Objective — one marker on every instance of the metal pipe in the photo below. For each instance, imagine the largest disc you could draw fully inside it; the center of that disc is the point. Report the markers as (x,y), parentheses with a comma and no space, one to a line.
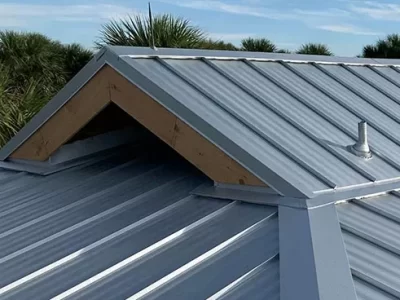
(361,148)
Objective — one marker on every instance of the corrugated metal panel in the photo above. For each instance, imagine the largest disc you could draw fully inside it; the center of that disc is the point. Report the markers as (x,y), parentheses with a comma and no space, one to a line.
(122,226)
(286,122)
(371,231)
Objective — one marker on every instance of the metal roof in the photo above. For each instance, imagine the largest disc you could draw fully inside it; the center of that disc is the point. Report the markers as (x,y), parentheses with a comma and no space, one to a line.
(128,225)
(371,231)
(286,118)
(125,226)
(297,119)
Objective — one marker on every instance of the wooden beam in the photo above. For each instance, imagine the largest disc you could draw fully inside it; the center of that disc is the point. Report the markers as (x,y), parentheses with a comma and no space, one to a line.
(67,121)
(180,136)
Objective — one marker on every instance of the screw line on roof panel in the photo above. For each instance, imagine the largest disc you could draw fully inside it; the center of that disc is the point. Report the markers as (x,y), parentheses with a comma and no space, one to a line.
(157,246)
(374,282)
(247,124)
(316,173)
(371,83)
(342,103)
(342,158)
(357,93)
(380,73)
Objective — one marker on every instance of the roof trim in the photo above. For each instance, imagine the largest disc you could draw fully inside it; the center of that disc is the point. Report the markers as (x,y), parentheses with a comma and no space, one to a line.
(313,259)
(144,52)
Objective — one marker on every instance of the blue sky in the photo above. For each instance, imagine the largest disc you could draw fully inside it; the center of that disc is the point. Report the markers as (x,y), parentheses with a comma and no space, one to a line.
(344,25)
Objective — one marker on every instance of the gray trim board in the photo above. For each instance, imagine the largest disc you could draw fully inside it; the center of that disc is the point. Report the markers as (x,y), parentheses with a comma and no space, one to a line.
(313,259)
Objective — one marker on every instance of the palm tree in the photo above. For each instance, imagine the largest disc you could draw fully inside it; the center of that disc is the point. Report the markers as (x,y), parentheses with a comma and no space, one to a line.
(217,45)
(387,48)
(283,51)
(32,55)
(258,45)
(18,104)
(32,69)
(315,49)
(74,58)
(169,32)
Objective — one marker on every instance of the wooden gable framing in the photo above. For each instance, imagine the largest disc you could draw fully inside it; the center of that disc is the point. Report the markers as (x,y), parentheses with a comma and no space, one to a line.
(108,86)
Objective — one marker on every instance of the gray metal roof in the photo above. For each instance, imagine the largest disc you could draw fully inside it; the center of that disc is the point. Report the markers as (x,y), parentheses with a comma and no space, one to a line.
(128,225)
(123,225)
(371,231)
(286,118)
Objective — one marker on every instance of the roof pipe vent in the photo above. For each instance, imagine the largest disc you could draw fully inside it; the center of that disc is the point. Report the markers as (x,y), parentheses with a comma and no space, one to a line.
(361,148)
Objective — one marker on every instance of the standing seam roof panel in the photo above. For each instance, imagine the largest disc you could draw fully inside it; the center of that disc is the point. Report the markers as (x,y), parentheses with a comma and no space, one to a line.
(329,107)
(267,121)
(356,103)
(371,232)
(316,124)
(389,72)
(225,123)
(380,81)
(366,91)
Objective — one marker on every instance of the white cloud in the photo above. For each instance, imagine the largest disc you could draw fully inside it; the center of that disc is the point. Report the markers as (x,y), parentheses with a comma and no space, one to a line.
(347,29)
(257,10)
(13,14)
(378,11)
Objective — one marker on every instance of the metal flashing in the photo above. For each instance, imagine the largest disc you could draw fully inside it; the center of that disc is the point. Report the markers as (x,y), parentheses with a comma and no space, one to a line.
(164,53)
(313,260)
(265,197)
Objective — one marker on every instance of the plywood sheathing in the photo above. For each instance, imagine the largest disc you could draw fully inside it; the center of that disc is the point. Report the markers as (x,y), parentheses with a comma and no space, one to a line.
(67,121)
(109,86)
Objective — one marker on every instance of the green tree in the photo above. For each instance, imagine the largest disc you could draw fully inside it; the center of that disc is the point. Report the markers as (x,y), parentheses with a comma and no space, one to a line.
(258,45)
(18,104)
(384,48)
(74,57)
(283,51)
(30,55)
(217,45)
(315,49)
(32,69)
(169,32)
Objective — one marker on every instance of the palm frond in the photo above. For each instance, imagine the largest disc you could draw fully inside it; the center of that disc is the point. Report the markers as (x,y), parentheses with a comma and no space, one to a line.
(315,49)
(169,32)
(258,45)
